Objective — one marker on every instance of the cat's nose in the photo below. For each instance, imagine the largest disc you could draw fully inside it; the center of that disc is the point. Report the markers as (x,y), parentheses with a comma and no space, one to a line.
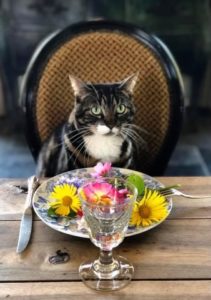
(110,126)
(113,128)
(109,121)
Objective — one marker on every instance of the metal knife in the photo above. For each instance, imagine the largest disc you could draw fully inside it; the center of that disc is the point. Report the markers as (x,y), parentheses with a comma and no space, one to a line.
(26,220)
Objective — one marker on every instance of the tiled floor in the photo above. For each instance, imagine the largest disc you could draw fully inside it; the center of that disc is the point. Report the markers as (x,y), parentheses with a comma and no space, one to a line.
(191,157)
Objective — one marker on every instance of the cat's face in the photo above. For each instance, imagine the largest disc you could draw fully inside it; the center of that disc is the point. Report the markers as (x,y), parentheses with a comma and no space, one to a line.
(104,108)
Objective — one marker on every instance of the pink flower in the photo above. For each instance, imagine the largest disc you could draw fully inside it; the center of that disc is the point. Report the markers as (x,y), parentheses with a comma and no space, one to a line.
(104,193)
(102,169)
(99,192)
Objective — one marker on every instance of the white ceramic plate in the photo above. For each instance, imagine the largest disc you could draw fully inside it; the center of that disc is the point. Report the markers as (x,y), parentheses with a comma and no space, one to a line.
(76,226)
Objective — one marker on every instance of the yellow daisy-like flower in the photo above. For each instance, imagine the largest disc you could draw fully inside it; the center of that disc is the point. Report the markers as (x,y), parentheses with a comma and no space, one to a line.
(67,199)
(151,208)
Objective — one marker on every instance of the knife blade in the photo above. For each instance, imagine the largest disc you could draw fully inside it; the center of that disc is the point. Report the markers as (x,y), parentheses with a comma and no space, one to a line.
(26,220)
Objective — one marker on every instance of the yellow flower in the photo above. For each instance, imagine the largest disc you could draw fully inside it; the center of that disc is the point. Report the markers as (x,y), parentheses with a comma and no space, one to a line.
(151,208)
(66,198)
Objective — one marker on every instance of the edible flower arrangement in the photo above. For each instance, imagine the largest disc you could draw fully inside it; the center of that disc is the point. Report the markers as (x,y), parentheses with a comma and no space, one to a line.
(150,206)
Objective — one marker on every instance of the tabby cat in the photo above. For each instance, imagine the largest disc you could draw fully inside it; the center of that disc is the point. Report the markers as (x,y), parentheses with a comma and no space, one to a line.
(99,128)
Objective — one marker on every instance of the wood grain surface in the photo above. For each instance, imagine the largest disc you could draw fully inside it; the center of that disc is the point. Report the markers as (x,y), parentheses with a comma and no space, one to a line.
(172,261)
(142,290)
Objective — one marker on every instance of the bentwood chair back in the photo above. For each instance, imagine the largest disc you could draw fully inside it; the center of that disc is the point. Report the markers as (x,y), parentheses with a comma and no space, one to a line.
(104,51)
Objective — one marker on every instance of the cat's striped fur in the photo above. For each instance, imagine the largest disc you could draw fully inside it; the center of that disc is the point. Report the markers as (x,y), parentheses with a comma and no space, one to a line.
(99,129)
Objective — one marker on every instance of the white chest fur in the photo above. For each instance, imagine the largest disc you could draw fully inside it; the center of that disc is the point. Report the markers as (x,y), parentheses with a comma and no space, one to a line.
(104,147)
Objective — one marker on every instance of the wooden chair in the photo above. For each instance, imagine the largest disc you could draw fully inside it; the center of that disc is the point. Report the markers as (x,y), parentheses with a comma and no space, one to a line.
(105,51)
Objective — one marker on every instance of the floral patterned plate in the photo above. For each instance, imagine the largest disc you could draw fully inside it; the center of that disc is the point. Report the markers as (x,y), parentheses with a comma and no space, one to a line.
(76,226)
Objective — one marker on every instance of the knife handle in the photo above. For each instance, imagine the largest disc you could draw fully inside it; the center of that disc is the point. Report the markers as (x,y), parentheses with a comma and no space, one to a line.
(33,183)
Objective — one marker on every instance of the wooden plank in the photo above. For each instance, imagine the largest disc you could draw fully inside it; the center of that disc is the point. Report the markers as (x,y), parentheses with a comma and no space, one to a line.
(185,208)
(11,197)
(144,290)
(177,249)
(190,208)
(195,182)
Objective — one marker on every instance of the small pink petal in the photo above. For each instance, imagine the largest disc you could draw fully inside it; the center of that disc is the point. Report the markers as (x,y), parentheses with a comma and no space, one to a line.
(101,169)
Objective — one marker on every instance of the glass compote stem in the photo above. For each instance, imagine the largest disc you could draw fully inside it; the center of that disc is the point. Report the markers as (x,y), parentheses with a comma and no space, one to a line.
(107,224)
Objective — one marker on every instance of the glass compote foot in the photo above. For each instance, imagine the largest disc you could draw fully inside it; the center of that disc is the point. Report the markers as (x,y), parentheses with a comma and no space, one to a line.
(107,204)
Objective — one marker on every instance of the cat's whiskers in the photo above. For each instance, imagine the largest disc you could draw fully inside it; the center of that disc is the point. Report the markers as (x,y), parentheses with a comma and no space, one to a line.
(78,135)
(139,138)
(130,133)
(67,135)
(137,127)
(88,157)
(75,152)
(127,135)
(78,149)
(79,131)
(133,135)
(151,134)
(75,140)
(131,130)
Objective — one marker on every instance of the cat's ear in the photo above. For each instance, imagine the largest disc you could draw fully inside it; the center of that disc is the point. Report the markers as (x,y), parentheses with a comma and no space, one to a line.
(79,87)
(129,83)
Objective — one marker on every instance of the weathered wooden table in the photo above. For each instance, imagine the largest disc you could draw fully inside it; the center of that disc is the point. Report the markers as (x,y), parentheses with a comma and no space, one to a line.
(172,261)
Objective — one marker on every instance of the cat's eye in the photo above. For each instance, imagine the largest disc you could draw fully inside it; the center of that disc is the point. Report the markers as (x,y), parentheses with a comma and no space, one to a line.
(96,110)
(121,109)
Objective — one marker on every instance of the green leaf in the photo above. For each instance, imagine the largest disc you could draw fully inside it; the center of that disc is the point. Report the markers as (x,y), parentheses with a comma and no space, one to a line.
(72,214)
(137,181)
(51,212)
